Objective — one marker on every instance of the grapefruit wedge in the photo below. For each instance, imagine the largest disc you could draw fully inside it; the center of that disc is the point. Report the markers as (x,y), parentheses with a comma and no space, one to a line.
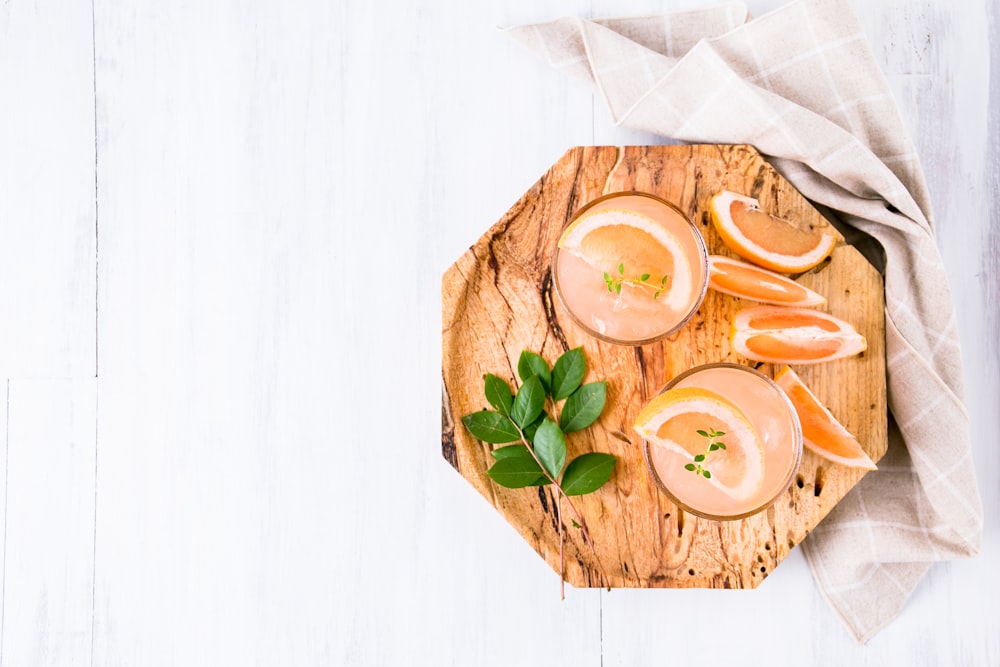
(768,241)
(747,281)
(821,432)
(785,335)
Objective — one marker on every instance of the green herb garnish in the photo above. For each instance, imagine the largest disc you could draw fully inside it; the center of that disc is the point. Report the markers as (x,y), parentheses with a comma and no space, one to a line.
(614,283)
(539,456)
(713,444)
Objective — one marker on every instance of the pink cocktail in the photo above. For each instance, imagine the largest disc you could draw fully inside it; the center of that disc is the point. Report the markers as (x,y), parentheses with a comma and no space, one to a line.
(769,415)
(630,268)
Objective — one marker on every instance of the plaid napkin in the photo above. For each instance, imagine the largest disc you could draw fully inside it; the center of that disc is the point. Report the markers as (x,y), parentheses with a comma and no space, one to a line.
(801,85)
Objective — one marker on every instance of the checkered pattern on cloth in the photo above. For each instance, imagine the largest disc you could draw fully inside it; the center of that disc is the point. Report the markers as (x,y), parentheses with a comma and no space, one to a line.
(801,85)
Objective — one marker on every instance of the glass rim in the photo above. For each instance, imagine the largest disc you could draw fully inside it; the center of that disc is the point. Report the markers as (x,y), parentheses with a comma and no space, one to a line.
(792,469)
(702,251)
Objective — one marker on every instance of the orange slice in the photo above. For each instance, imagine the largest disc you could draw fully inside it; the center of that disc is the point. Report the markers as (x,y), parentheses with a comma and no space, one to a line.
(673,419)
(731,276)
(765,240)
(821,432)
(621,242)
(783,335)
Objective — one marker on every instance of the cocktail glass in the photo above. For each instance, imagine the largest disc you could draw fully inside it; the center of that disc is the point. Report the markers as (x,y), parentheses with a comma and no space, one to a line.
(612,300)
(772,417)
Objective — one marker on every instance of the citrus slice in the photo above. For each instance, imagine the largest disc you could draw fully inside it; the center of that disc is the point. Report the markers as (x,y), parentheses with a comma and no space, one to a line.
(635,250)
(673,419)
(821,432)
(731,276)
(784,335)
(765,240)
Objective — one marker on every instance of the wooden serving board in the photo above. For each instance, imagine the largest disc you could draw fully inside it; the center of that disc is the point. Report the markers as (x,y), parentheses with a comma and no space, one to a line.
(498,300)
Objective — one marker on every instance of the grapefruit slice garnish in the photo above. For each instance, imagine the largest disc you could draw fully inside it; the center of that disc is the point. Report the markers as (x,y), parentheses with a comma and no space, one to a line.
(821,432)
(633,252)
(784,335)
(674,419)
(766,240)
(747,281)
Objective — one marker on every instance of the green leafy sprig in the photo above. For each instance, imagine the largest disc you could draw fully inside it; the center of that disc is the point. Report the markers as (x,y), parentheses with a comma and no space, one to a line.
(713,444)
(539,456)
(614,283)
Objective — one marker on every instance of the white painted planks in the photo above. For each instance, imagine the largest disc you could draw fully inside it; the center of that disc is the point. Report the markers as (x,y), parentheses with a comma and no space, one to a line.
(48,331)
(47,223)
(48,560)
(268,313)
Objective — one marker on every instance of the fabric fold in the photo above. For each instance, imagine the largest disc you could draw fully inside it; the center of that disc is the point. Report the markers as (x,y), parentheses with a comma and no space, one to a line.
(802,86)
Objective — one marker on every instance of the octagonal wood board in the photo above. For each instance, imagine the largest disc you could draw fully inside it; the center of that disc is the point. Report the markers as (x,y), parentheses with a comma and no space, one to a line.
(498,300)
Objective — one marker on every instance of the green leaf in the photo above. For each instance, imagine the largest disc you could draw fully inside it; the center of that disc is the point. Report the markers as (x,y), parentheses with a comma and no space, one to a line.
(567,373)
(509,451)
(498,394)
(515,472)
(491,427)
(530,429)
(583,407)
(529,402)
(689,466)
(699,458)
(520,451)
(587,473)
(550,447)
(533,364)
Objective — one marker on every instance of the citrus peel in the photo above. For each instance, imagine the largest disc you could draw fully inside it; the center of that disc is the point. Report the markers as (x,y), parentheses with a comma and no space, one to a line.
(766,240)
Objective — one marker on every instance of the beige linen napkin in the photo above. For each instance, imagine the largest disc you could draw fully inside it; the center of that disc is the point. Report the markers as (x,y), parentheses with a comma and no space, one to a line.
(801,85)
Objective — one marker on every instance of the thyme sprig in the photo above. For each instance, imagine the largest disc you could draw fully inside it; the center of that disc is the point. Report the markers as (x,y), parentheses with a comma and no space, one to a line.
(713,444)
(615,282)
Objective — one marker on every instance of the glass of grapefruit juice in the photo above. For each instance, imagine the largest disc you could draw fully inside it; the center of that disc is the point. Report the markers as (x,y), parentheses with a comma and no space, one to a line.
(630,268)
(721,403)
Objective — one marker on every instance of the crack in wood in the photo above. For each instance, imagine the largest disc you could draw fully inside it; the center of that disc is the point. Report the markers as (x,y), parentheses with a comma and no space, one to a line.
(550,311)
(448,449)
(640,359)
(758,182)
(574,186)
(619,156)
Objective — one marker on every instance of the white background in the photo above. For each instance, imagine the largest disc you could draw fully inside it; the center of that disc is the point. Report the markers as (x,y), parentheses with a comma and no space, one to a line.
(222,230)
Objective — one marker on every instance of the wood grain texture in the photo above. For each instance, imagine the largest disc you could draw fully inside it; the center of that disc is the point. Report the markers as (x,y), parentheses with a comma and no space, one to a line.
(497,300)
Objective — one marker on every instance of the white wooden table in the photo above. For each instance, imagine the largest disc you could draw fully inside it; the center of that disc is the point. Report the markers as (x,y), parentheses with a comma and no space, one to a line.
(222,229)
